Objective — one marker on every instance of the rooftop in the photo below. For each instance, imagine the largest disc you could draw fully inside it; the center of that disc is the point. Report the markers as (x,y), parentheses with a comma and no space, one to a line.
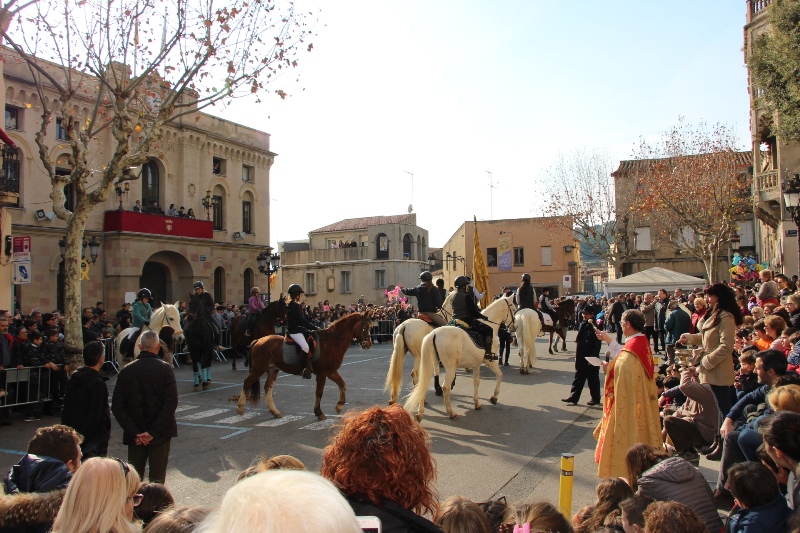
(350,224)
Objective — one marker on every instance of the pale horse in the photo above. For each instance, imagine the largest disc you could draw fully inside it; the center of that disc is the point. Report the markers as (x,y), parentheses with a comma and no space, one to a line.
(527,325)
(166,315)
(407,337)
(454,348)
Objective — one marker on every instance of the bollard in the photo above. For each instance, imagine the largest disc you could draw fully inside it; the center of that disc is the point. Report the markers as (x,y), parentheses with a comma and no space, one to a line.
(565,486)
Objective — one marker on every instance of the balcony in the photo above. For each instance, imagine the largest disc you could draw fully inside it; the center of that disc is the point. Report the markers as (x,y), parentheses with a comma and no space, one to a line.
(131,222)
(756,8)
(768,186)
(9,177)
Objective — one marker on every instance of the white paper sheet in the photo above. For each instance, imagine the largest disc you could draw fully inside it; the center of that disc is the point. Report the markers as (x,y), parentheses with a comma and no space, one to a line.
(594,361)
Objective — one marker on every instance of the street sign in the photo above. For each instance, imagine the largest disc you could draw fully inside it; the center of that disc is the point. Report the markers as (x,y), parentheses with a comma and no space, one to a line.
(791,233)
(202,257)
(22,272)
(567,281)
(22,248)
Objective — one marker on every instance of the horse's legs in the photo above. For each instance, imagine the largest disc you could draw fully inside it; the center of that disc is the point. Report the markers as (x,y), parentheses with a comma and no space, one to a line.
(336,378)
(449,376)
(476,380)
(564,339)
(272,375)
(499,373)
(246,386)
(415,370)
(321,379)
(196,372)
(550,344)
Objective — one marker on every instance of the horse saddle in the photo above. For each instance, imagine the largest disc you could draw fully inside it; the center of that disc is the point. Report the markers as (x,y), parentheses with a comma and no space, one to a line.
(128,344)
(476,338)
(428,320)
(547,320)
(291,351)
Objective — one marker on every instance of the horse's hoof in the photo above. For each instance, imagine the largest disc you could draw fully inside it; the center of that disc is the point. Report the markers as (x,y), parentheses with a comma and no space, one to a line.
(339,407)
(493,400)
(453,416)
(478,407)
(419,418)
(321,417)
(277,414)
(240,411)
(522,371)
(391,402)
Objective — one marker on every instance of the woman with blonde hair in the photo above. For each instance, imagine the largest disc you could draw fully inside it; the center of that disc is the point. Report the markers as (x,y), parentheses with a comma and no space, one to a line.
(100,499)
(460,515)
(785,398)
(774,326)
(700,309)
(539,516)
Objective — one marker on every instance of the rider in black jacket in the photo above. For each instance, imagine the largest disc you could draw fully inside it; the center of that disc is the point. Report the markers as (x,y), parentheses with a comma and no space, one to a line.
(429,299)
(298,326)
(466,310)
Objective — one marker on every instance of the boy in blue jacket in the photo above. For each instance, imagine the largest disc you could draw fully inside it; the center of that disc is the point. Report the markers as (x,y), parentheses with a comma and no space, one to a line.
(761,507)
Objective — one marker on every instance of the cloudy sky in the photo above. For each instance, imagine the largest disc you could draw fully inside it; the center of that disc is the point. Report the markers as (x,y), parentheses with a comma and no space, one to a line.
(450,89)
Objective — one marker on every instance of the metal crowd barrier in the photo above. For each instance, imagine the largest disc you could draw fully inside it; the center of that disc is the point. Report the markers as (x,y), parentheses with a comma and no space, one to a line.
(24,387)
(383,329)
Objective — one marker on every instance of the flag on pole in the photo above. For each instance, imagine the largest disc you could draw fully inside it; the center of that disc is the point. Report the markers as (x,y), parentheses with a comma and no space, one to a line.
(479,272)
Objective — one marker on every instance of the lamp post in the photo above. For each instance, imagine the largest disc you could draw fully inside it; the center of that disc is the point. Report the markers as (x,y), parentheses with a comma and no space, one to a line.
(122,189)
(455,257)
(268,264)
(791,199)
(208,204)
(94,249)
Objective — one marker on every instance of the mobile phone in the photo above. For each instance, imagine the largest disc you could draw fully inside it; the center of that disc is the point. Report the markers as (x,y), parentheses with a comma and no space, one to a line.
(369,524)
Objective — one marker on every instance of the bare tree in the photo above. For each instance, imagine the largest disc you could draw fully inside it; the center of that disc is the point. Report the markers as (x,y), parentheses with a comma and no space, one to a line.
(582,197)
(695,184)
(138,66)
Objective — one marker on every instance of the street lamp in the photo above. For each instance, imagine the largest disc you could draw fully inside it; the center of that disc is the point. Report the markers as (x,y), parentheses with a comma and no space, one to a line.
(94,249)
(208,203)
(455,257)
(791,199)
(268,265)
(431,261)
(122,189)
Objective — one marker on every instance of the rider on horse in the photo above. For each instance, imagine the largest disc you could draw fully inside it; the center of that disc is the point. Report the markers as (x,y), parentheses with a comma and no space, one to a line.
(466,310)
(429,300)
(141,310)
(297,327)
(205,299)
(254,306)
(546,306)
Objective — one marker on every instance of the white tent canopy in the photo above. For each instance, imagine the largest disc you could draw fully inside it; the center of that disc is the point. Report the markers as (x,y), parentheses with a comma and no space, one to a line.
(653,279)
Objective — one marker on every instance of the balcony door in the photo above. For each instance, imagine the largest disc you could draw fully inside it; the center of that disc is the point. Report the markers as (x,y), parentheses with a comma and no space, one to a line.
(150,183)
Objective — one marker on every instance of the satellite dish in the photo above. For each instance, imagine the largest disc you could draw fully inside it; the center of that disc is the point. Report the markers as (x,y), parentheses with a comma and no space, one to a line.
(410,208)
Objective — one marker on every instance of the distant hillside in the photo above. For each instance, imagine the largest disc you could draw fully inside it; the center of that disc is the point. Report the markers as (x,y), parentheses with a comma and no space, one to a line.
(588,257)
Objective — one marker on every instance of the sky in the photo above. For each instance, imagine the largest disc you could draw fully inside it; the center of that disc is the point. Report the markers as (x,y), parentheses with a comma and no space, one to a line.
(450,90)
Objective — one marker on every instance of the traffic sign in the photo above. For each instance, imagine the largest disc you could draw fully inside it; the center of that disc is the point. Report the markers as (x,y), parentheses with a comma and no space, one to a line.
(22,248)
(22,272)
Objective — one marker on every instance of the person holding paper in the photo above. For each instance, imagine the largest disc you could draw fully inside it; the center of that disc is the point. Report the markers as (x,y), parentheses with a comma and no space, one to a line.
(588,346)
(630,410)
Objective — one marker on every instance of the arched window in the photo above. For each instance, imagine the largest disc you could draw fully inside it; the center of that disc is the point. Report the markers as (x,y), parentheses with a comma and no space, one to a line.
(408,246)
(219,285)
(381,246)
(150,183)
(247,212)
(219,208)
(248,283)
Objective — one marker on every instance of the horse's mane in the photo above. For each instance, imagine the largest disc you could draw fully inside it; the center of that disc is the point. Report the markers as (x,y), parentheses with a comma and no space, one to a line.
(345,317)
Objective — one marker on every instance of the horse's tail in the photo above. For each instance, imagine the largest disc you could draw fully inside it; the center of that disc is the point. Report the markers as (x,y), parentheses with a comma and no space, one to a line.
(429,358)
(255,392)
(530,333)
(395,375)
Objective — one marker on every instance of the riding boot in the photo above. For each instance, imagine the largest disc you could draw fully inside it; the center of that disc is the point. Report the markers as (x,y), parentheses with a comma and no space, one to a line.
(489,356)
(306,364)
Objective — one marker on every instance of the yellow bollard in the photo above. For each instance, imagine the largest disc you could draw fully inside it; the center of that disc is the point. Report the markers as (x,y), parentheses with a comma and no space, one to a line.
(565,486)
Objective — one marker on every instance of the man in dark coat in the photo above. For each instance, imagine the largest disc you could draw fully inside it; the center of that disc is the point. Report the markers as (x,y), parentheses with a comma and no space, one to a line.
(144,403)
(661,317)
(588,346)
(429,299)
(54,454)
(616,315)
(86,403)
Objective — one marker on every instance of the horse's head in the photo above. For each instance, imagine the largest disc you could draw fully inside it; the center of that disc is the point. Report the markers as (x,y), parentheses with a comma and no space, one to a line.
(172,318)
(361,330)
(502,310)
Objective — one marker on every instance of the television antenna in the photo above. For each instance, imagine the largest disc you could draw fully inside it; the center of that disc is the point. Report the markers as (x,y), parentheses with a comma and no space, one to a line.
(411,205)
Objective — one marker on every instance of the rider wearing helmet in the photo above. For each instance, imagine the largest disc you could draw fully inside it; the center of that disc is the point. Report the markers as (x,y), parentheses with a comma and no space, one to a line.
(205,299)
(526,296)
(466,310)
(254,306)
(429,299)
(546,306)
(297,327)
(142,309)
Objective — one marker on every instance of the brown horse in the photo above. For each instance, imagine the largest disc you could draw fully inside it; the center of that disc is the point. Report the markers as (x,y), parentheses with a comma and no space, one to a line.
(265,325)
(566,313)
(266,355)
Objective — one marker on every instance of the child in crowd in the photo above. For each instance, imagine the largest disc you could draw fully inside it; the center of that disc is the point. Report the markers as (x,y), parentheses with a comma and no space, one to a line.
(755,492)
(460,515)
(633,513)
(745,379)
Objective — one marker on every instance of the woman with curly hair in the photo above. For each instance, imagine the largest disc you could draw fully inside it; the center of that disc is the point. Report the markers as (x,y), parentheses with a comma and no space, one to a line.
(381,461)
(610,493)
(671,517)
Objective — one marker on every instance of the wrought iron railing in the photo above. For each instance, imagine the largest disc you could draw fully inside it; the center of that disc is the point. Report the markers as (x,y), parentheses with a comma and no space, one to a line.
(9,177)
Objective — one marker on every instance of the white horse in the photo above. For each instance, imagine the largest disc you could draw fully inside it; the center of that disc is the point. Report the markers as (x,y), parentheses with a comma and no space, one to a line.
(455,349)
(407,337)
(166,315)
(528,325)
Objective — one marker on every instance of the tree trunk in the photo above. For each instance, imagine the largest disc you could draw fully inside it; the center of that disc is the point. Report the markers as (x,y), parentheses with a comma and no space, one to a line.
(73,331)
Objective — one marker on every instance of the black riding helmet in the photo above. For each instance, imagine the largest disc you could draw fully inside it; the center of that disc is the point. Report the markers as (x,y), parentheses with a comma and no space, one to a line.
(526,277)
(461,282)
(198,285)
(294,288)
(144,293)
(426,276)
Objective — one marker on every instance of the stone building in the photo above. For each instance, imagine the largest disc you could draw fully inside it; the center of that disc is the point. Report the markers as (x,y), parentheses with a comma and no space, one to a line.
(775,162)
(201,159)
(513,247)
(389,250)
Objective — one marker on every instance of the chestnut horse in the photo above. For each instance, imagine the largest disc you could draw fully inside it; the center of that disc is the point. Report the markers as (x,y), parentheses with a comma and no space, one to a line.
(566,313)
(266,355)
(265,325)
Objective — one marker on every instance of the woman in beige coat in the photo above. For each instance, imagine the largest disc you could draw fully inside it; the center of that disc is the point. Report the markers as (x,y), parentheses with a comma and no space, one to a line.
(717,336)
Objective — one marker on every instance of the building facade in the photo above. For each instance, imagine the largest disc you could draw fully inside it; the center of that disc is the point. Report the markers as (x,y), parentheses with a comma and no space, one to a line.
(775,161)
(389,250)
(512,248)
(201,158)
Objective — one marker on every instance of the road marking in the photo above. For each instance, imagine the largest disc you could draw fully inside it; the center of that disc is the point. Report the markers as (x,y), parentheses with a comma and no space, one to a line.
(203,414)
(238,431)
(237,418)
(13,452)
(185,407)
(279,421)
(322,424)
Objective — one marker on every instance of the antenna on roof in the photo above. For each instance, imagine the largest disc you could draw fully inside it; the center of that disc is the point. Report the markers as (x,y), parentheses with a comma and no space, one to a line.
(410,209)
